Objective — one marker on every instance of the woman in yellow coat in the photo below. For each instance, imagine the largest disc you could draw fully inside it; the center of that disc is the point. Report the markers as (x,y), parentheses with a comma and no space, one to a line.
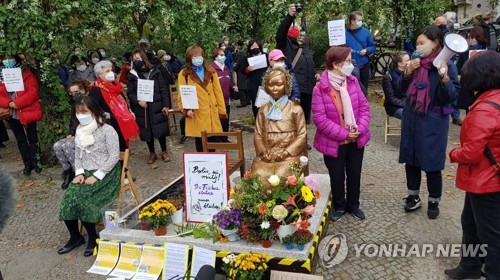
(209,93)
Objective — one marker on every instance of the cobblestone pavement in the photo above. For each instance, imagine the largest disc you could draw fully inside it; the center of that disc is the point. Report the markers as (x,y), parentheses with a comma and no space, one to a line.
(28,244)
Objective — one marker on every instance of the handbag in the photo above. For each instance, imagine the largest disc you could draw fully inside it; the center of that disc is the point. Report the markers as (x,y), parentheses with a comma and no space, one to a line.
(5,113)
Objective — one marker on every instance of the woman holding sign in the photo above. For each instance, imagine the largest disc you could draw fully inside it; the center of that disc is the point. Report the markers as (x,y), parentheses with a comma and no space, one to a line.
(255,68)
(19,93)
(204,82)
(150,100)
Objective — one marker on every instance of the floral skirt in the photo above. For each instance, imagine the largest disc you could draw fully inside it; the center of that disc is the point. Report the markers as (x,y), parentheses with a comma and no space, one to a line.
(86,202)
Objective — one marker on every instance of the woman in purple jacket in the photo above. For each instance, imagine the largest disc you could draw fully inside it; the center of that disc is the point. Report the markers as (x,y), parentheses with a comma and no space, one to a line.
(224,74)
(342,117)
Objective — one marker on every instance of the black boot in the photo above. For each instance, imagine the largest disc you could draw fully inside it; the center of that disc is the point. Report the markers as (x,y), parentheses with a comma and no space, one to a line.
(68,176)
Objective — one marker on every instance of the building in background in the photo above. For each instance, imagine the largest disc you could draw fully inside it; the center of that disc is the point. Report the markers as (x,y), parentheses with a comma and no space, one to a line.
(466,9)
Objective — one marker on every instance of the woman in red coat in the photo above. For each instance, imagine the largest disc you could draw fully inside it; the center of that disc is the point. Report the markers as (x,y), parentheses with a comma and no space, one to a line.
(476,174)
(26,111)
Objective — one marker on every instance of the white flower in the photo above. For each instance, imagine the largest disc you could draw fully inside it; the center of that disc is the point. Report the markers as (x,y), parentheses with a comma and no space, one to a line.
(274,180)
(225,260)
(265,225)
(303,160)
(229,203)
(279,212)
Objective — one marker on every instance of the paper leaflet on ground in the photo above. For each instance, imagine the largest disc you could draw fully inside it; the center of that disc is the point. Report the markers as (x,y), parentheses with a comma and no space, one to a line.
(130,257)
(107,258)
(201,257)
(175,261)
(151,263)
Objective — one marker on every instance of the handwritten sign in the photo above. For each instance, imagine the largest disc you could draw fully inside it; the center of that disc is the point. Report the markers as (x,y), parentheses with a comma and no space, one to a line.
(128,263)
(262,98)
(336,32)
(176,259)
(189,97)
(257,62)
(145,90)
(13,79)
(107,257)
(205,184)
(151,263)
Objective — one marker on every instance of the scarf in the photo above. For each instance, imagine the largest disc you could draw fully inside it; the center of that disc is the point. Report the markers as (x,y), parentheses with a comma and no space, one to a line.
(112,94)
(84,135)
(339,83)
(418,91)
(275,113)
(221,65)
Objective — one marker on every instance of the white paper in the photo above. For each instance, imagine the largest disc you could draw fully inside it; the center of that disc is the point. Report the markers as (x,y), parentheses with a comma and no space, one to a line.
(258,62)
(13,79)
(176,261)
(145,90)
(130,258)
(206,185)
(201,257)
(107,257)
(151,263)
(189,97)
(262,98)
(336,32)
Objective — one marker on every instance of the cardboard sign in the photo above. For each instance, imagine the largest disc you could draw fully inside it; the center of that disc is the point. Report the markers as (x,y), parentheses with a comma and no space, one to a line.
(336,32)
(176,258)
(205,185)
(130,258)
(262,98)
(145,90)
(151,263)
(13,79)
(257,62)
(189,97)
(201,257)
(107,257)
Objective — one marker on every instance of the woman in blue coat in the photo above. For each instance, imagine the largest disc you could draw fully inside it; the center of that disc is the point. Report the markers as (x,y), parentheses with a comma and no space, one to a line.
(425,123)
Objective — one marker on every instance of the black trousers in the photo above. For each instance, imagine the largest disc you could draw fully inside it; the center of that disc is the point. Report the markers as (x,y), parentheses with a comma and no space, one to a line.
(481,225)
(161,140)
(27,141)
(4,136)
(244,100)
(199,144)
(225,123)
(434,182)
(364,76)
(305,103)
(182,124)
(348,162)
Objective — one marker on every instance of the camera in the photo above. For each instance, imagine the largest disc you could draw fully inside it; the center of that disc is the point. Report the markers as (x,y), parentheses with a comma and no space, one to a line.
(298,8)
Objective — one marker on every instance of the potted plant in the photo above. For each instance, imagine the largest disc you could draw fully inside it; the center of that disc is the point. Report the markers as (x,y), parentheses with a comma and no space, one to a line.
(178,202)
(228,221)
(288,241)
(302,237)
(251,266)
(159,214)
(266,234)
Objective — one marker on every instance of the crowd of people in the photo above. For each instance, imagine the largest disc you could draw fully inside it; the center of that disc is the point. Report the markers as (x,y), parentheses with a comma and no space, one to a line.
(109,111)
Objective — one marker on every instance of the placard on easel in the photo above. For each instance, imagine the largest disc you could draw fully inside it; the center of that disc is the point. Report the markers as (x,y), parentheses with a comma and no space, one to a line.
(205,185)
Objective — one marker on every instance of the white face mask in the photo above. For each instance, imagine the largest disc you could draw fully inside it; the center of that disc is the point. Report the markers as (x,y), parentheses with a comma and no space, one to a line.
(167,58)
(81,68)
(424,50)
(85,119)
(347,69)
(95,60)
(110,76)
(279,64)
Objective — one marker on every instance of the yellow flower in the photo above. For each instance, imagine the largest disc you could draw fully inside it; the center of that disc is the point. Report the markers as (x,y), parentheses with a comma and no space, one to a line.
(307,194)
(231,192)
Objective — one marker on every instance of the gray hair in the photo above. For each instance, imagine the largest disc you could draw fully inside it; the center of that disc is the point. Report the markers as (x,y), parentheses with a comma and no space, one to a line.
(101,65)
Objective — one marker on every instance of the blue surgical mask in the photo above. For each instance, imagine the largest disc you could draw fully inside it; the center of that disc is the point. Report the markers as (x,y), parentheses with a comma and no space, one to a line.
(359,24)
(221,58)
(198,61)
(9,63)
(103,54)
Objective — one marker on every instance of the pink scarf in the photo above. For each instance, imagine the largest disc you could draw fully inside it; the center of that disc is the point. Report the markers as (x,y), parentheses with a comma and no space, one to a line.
(339,83)
(418,91)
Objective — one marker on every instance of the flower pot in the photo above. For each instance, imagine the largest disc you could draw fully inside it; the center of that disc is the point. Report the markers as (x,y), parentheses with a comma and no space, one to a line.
(178,216)
(300,247)
(266,243)
(231,234)
(145,225)
(285,230)
(289,246)
(161,230)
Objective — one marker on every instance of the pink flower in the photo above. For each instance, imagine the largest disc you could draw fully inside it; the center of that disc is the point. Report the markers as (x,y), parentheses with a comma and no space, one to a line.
(301,224)
(290,201)
(309,210)
(291,180)
(312,183)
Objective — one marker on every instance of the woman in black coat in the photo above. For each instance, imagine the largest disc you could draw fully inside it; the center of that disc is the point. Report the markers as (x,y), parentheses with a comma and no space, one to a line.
(152,117)
(254,75)
(395,99)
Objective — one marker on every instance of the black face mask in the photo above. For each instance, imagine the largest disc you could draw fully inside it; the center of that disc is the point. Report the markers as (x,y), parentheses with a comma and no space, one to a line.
(75,97)
(255,51)
(138,64)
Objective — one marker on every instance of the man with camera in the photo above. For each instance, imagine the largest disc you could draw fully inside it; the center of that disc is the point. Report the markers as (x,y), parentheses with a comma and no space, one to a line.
(299,56)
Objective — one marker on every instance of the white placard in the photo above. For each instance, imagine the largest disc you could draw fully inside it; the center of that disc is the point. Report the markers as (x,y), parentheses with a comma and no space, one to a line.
(145,90)
(257,62)
(336,32)
(262,98)
(206,185)
(176,259)
(201,257)
(13,79)
(189,97)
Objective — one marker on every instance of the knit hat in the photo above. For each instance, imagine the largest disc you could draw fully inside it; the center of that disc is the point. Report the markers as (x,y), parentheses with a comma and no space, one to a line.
(161,53)
(144,41)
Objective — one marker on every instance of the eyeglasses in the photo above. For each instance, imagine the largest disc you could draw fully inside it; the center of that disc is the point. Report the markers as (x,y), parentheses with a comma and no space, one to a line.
(74,92)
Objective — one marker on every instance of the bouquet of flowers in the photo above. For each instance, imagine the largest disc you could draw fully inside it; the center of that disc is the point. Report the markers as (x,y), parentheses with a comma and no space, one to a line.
(158,213)
(227,219)
(245,266)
